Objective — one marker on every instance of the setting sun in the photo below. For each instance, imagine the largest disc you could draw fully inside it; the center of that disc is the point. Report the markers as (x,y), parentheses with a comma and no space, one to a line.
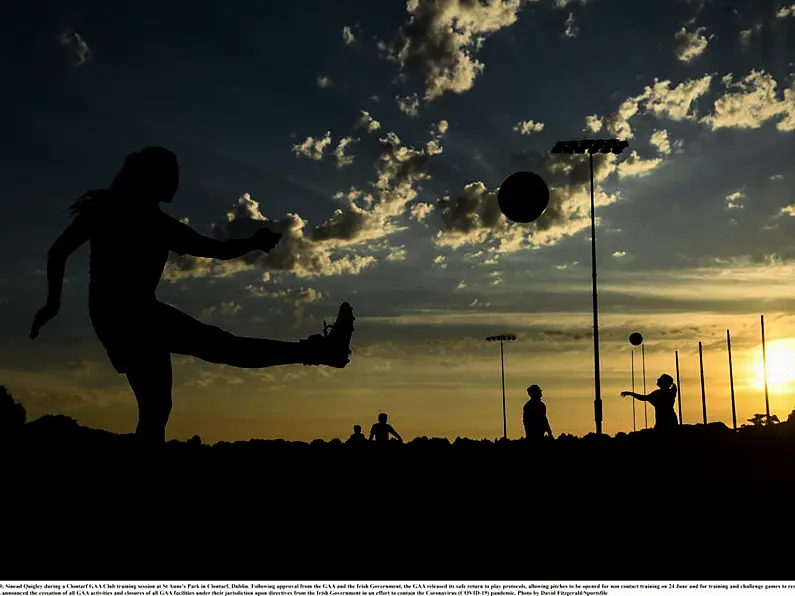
(780,364)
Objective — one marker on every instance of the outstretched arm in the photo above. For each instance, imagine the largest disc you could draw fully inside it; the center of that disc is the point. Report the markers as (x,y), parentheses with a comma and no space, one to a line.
(639,396)
(186,241)
(73,237)
(395,433)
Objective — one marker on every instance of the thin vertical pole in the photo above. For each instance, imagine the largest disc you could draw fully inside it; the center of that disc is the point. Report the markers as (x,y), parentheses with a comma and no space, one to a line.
(679,387)
(504,417)
(764,364)
(731,378)
(597,402)
(703,392)
(645,404)
(633,391)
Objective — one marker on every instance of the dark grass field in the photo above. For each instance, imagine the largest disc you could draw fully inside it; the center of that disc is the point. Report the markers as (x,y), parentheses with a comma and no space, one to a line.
(702,503)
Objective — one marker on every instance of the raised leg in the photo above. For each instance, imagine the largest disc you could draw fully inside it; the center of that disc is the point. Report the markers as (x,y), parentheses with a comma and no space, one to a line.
(190,337)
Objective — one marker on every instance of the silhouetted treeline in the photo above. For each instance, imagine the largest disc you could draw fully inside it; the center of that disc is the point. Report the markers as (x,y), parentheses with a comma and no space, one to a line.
(701,502)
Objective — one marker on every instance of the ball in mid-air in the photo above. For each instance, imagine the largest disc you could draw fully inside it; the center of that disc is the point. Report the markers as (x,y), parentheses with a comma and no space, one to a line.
(523,197)
(635,338)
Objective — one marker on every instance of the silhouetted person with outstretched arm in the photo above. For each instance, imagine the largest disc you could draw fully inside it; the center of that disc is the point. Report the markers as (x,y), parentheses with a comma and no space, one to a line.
(130,242)
(534,416)
(381,430)
(357,438)
(663,400)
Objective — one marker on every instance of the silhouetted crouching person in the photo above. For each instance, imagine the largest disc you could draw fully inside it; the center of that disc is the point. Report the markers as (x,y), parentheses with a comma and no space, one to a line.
(130,242)
(381,430)
(663,400)
(534,416)
(357,438)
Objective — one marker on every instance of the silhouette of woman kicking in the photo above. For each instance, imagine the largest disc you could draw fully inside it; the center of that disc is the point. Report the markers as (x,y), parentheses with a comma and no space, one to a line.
(130,241)
(662,399)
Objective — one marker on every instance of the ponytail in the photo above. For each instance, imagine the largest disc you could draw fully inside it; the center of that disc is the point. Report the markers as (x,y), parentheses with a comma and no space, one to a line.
(86,200)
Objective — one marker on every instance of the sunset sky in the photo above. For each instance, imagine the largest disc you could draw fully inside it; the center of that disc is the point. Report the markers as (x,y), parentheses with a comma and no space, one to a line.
(375,135)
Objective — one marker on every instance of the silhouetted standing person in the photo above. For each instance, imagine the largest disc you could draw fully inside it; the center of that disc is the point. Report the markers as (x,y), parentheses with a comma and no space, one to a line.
(130,242)
(534,416)
(357,438)
(663,400)
(381,430)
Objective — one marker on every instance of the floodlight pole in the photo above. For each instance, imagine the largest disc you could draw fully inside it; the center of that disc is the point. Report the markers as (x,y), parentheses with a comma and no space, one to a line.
(502,339)
(645,403)
(633,391)
(703,391)
(764,369)
(679,388)
(597,384)
(592,146)
(504,416)
(731,378)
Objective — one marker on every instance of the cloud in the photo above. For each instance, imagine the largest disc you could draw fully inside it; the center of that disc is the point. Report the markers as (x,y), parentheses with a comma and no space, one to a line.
(313,148)
(433,147)
(441,38)
(564,3)
(43,392)
(323,82)
(300,298)
(396,253)
(307,296)
(570,30)
(469,216)
(619,253)
(367,122)
(83,368)
(732,200)
(473,217)
(205,377)
(442,126)
(347,35)
(745,35)
(527,127)
(678,103)
(342,158)
(659,100)
(617,123)
(476,303)
(593,123)
(752,101)
(419,211)
(227,309)
(78,45)
(786,11)
(329,248)
(777,177)
(660,141)
(262,292)
(296,253)
(409,104)
(690,44)
(636,166)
